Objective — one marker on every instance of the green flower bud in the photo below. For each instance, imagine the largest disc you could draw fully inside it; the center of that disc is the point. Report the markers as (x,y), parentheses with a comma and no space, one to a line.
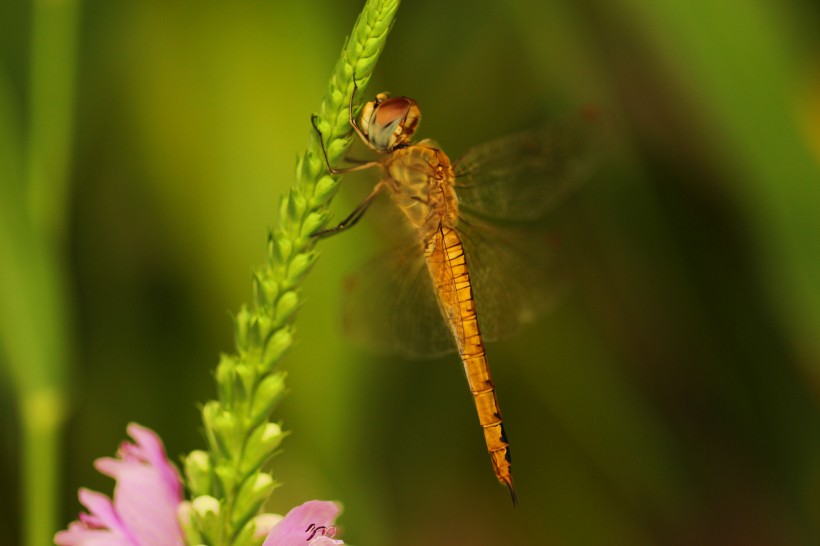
(300,165)
(223,429)
(276,347)
(241,323)
(286,306)
(326,188)
(261,328)
(247,536)
(205,506)
(205,513)
(282,249)
(246,375)
(209,415)
(189,526)
(283,213)
(225,377)
(312,165)
(314,222)
(268,393)
(252,495)
(227,475)
(299,266)
(338,146)
(261,444)
(266,289)
(198,470)
(296,206)
(229,433)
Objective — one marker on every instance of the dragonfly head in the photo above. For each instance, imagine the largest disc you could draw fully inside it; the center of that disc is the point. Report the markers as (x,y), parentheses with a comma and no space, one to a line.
(389,122)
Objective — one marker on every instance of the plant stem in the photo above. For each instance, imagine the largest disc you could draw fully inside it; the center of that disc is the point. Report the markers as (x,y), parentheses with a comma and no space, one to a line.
(237,426)
(41,417)
(43,371)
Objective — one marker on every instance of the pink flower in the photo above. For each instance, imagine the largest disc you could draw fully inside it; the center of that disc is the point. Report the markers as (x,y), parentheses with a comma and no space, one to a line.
(146,497)
(310,524)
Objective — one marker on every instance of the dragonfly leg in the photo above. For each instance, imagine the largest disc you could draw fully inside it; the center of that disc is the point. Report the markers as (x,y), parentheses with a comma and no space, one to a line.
(357,161)
(350,113)
(352,119)
(333,170)
(353,217)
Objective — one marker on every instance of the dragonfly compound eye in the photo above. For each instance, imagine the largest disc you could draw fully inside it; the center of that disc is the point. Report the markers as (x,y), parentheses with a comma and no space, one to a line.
(392,123)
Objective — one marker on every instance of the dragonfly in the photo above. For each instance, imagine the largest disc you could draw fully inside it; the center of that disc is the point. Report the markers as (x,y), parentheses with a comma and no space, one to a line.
(473,271)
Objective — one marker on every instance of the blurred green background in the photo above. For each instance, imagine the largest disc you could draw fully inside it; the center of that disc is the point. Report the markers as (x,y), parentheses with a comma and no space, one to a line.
(672,399)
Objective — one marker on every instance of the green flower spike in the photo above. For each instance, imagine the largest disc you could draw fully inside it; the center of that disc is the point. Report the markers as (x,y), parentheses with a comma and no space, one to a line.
(226,483)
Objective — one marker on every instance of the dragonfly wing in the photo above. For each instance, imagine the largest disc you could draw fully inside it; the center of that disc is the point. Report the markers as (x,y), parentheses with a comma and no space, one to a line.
(521,177)
(516,275)
(390,305)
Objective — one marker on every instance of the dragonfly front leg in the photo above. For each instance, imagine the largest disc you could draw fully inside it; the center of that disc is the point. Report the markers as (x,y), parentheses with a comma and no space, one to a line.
(333,170)
(352,120)
(353,217)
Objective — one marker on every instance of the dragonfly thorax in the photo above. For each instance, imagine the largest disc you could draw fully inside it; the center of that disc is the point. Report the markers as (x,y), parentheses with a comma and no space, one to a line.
(388,123)
(421,178)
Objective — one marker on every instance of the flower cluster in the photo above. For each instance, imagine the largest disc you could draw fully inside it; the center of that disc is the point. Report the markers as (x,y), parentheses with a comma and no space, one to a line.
(148,508)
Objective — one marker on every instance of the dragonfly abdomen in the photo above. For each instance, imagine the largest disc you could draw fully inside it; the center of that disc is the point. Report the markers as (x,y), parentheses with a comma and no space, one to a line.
(448,267)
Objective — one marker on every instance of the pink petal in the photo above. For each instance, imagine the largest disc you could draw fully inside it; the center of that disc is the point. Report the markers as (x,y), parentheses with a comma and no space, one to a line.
(102,511)
(78,535)
(324,541)
(154,452)
(147,507)
(109,466)
(147,494)
(101,528)
(295,529)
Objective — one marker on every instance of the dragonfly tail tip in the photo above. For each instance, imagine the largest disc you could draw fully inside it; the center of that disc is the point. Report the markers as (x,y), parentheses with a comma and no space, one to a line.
(511,489)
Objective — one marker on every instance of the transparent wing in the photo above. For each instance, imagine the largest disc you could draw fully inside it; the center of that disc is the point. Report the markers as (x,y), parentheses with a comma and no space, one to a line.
(516,274)
(390,303)
(390,306)
(521,177)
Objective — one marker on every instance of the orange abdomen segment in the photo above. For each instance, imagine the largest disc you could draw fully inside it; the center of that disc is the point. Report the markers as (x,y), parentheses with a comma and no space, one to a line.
(448,267)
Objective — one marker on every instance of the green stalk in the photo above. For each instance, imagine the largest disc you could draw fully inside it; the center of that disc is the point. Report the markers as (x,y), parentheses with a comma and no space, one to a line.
(33,337)
(42,416)
(227,484)
(51,95)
